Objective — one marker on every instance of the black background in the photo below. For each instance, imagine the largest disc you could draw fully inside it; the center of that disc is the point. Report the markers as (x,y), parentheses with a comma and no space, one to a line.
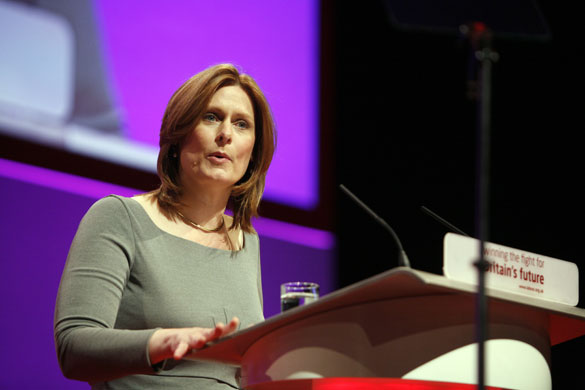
(405,135)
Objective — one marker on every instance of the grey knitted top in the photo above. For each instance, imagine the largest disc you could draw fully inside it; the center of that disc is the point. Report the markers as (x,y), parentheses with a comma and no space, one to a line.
(125,277)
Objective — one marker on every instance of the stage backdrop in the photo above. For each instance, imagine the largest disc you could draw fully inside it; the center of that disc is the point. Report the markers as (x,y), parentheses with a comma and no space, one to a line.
(94,76)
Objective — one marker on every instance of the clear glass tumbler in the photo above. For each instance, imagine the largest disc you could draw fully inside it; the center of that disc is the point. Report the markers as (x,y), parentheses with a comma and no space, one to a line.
(293,294)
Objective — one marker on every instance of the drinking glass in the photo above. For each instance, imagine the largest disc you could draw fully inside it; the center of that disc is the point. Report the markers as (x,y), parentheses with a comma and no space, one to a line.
(293,294)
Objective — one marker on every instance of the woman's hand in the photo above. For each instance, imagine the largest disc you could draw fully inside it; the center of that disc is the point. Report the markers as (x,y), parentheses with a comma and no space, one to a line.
(176,343)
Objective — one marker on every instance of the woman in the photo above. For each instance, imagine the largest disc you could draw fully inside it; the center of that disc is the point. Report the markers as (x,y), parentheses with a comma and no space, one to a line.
(150,278)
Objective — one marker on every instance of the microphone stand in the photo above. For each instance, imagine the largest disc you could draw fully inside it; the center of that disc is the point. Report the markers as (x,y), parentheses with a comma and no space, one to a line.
(403,260)
(480,39)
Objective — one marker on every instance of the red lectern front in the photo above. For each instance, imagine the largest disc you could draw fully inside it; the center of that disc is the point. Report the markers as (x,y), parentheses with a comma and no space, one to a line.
(403,324)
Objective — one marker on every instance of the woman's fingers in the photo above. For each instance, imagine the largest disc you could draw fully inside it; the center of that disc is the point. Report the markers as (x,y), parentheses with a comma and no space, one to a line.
(216,332)
(222,330)
(176,343)
(190,340)
(234,324)
(231,327)
(180,350)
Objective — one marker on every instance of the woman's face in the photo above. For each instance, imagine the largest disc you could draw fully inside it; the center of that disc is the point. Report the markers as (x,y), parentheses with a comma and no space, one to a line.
(219,148)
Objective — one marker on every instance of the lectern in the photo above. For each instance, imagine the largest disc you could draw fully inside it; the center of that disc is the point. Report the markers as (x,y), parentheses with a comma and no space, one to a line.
(402,324)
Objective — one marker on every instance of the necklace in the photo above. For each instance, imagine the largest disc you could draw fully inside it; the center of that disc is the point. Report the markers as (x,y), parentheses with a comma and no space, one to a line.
(203,228)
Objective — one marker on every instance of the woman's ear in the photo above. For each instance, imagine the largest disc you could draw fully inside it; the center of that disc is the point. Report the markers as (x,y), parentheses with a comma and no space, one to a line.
(173,151)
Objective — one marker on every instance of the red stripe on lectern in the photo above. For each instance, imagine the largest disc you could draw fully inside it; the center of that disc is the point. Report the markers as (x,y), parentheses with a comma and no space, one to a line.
(363,384)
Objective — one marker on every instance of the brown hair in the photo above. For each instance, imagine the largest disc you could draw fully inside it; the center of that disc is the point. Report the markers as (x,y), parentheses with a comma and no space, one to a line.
(183,112)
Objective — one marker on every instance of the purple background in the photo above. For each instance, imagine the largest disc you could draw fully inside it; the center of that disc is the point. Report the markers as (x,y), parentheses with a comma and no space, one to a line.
(149,51)
(152,49)
(40,211)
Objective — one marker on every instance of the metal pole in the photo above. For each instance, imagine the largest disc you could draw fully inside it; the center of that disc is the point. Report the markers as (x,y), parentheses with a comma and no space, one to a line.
(480,38)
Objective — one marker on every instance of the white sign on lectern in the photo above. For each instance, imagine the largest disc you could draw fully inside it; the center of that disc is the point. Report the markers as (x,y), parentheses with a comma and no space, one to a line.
(512,270)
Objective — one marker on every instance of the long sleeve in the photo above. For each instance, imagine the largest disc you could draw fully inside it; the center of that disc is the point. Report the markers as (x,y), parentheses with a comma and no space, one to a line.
(95,275)
(125,277)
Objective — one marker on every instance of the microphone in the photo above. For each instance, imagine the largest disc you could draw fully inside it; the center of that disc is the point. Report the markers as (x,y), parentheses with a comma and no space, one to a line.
(402,258)
(444,222)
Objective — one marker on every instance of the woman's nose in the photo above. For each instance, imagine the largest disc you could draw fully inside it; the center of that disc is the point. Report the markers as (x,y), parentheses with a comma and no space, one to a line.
(224,134)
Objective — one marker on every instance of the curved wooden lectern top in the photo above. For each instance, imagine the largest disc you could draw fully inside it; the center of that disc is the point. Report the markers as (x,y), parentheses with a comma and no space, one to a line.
(404,324)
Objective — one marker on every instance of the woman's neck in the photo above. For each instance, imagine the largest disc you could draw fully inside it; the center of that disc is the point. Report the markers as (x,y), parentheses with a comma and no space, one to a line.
(205,208)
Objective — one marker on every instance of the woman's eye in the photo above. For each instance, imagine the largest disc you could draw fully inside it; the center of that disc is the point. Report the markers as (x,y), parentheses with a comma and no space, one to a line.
(210,117)
(241,124)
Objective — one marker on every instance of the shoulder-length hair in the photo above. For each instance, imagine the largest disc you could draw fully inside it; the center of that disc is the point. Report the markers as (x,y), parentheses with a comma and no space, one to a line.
(183,112)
